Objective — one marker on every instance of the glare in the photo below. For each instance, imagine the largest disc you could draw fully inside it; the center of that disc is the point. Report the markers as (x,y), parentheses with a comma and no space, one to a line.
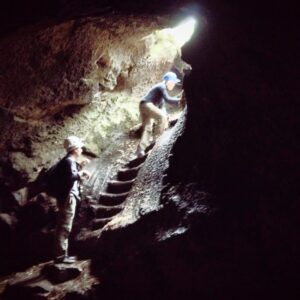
(166,44)
(184,31)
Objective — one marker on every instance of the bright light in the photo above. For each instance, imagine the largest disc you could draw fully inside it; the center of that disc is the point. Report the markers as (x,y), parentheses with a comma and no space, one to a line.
(184,31)
(165,44)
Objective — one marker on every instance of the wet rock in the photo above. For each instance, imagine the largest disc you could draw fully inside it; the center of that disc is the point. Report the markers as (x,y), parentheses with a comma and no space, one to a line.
(60,272)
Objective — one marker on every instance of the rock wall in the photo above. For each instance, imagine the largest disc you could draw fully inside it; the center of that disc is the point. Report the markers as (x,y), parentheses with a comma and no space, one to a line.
(215,213)
(81,77)
(222,224)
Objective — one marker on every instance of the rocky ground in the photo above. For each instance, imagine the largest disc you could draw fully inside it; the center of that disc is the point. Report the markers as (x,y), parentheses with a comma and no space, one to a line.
(47,281)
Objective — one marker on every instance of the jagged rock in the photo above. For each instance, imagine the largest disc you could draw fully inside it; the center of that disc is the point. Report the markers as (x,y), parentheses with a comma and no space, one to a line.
(7,224)
(38,289)
(220,216)
(60,272)
(108,63)
(33,283)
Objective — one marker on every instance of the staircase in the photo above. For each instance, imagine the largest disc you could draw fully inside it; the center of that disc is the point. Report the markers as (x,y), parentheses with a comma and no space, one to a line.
(111,201)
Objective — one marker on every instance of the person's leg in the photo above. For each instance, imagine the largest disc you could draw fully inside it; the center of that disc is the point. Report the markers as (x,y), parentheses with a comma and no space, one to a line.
(64,227)
(160,117)
(147,124)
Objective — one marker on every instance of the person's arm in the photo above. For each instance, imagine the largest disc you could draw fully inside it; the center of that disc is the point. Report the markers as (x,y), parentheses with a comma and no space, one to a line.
(73,172)
(168,98)
(83,162)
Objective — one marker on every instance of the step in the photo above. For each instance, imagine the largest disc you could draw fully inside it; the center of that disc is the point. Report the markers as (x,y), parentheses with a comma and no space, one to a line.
(172,122)
(91,200)
(103,211)
(137,161)
(111,199)
(99,223)
(115,186)
(128,173)
(150,147)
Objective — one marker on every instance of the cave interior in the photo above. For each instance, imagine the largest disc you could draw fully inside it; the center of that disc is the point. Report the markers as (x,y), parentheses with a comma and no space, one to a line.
(212,211)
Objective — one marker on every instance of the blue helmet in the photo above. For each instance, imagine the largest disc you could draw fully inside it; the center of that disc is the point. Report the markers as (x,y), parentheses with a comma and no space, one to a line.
(171,76)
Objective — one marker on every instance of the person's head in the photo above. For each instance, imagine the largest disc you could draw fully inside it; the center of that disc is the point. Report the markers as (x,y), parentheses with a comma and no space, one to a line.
(73,145)
(170,79)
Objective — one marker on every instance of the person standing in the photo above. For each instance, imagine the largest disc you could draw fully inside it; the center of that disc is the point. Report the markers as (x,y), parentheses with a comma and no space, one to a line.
(152,108)
(68,175)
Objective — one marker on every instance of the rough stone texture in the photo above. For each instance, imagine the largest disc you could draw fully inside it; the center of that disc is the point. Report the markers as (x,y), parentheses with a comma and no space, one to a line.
(63,64)
(81,77)
(223,224)
(226,224)
(32,284)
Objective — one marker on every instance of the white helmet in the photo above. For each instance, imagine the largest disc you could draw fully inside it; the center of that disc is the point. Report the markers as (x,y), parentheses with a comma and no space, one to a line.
(72,142)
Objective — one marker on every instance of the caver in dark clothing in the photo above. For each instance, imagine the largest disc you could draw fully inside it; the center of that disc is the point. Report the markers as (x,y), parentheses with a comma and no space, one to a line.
(67,193)
(66,188)
(62,182)
(65,179)
(152,108)
(158,95)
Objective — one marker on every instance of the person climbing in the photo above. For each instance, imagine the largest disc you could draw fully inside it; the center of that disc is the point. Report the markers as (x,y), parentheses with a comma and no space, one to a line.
(152,108)
(68,175)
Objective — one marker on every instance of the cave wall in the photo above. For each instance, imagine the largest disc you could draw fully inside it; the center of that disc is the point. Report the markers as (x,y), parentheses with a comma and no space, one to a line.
(225,225)
(242,113)
(82,76)
(66,64)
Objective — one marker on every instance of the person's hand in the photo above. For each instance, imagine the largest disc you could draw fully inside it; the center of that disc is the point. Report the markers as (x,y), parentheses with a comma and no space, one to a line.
(84,162)
(180,94)
(84,174)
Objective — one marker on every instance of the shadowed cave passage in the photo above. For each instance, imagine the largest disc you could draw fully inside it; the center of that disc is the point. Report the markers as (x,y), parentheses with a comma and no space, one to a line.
(214,210)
